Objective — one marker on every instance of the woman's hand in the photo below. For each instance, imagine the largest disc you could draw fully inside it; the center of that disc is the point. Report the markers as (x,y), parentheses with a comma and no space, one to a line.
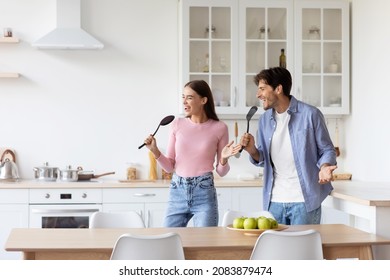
(151,144)
(228,151)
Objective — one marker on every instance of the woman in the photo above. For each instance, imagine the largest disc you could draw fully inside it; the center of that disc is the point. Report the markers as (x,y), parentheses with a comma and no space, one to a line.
(194,143)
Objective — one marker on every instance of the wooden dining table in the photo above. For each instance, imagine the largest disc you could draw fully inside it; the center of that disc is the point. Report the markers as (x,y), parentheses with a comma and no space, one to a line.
(208,243)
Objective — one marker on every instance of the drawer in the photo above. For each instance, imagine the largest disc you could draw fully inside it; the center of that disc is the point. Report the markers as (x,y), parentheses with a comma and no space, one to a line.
(9,196)
(143,195)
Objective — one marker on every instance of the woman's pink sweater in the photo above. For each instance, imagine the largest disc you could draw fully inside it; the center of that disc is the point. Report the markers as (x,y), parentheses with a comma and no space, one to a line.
(194,147)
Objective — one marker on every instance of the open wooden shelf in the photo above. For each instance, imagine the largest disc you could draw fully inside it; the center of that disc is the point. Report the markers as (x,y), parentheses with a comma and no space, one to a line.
(9,75)
(9,40)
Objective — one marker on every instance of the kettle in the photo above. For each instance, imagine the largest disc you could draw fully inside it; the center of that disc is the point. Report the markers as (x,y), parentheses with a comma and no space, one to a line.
(8,168)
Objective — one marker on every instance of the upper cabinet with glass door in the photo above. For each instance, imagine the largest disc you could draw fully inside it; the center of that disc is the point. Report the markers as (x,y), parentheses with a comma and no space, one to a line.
(227,42)
(266,31)
(322,54)
(209,48)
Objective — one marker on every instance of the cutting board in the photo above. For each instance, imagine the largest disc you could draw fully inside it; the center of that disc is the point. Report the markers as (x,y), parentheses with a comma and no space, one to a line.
(137,181)
(342,176)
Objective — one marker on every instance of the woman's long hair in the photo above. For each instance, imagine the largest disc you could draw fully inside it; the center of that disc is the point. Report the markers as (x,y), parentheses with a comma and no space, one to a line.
(203,90)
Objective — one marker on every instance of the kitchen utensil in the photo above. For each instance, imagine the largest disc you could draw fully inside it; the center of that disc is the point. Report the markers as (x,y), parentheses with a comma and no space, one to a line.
(8,168)
(152,167)
(337,147)
(249,116)
(46,173)
(69,175)
(164,121)
(89,176)
(236,136)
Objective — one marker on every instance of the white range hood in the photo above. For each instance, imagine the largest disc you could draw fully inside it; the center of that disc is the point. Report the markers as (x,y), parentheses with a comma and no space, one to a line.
(68,34)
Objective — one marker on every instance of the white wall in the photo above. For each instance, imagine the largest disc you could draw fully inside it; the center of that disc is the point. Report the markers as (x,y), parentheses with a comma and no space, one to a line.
(367,128)
(90,108)
(94,108)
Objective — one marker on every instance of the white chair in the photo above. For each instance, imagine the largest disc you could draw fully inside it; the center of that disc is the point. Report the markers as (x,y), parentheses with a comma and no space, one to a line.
(230,215)
(166,246)
(288,245)
(127,219)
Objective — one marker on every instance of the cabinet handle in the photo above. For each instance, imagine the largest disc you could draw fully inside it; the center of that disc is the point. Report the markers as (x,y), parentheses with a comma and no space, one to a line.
(148,219)
(144,194)
(235,96)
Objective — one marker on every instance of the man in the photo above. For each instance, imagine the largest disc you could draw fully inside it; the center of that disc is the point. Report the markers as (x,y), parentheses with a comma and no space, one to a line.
(295,149)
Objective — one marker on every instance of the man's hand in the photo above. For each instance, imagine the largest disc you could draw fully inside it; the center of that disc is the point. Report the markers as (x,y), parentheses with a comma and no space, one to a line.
(326,173)
(247,142)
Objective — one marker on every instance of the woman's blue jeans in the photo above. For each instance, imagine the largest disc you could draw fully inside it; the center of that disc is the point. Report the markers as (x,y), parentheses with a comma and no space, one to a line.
(192,197)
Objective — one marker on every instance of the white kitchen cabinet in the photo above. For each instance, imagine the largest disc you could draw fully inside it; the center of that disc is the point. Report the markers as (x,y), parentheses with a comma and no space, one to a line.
(227,42)
(13,214)
(222,43)
(150,203)
(322,55)
(224,196)
(210,48)
(265,28)
(247,199)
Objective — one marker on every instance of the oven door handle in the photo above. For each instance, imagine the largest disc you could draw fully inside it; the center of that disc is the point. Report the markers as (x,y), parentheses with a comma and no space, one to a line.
(50,211)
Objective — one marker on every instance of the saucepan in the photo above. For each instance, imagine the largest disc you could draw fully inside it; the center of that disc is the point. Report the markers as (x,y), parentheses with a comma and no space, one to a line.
(46,172)
(70,174)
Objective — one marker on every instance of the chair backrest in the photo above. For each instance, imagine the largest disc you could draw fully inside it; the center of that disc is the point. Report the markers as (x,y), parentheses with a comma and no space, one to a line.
(229,216)
(166,246)
(127,219)
(288,245)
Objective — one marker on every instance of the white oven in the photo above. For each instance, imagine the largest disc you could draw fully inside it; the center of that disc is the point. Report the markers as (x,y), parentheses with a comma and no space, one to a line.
(63,208)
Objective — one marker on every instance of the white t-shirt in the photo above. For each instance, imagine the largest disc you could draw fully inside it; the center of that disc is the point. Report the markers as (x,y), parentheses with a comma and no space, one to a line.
(286,186)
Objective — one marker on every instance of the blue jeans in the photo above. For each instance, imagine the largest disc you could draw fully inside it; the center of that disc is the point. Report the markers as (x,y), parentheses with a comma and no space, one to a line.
(294,213)
(192,197)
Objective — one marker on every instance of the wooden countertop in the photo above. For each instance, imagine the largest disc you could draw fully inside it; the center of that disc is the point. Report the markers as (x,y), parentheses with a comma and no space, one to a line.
(199,243)
(365,193)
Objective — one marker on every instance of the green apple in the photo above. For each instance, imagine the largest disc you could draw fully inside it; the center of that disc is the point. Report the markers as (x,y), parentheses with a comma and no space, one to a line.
(238,222)
(250,223)
(274,223)
(263,223)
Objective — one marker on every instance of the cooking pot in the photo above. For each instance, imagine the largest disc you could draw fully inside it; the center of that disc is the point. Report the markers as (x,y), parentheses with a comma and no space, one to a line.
(8,168)
(69,174)
(46,173)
